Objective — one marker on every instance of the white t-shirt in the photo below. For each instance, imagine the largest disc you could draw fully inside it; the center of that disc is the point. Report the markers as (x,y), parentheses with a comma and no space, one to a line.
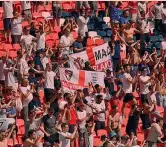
(26,101)
(10,79)
(44,61)
(62,138)
(145,26)
(163,45)
(81,115)
(27,39)
(82,25)
(163,12)
(127,86)
(66,41)
(141,7)
(16,26)
(25,5)
(41,42)
(144,88)
(98,108)
(2,66)
(158,10)
(8,9)
(49,79)
(23,66)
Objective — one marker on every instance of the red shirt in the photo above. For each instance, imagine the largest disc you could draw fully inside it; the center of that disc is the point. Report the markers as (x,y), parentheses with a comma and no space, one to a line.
(73,116)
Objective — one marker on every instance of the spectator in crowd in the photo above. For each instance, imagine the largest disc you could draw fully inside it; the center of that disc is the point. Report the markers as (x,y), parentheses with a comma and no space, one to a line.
(26,10)
(8,15)
(57,12)
(51,91)
(16,28)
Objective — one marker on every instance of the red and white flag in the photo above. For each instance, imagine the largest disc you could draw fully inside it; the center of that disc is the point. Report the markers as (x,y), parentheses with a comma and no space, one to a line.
(99,57)
(72,79)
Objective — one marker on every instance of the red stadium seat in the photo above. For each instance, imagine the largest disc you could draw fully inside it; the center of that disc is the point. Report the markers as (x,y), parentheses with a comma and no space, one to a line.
(16,46)
(12,53)
(1,25)
(48,7)
(7,47)
(67,6)
(101,132)
(96,142)
(50,43)
(99,41)
(38,19)
(36,15)
(20,124)
(25,24)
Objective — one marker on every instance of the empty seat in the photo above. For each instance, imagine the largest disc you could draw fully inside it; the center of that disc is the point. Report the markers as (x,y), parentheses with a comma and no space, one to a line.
(101,132)
(101,33)
(96,142)
(65,14)
(92,34)
(50,43)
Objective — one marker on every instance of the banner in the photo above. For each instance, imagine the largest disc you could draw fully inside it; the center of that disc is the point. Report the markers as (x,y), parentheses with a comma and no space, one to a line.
(5,122)
(72,79)
(99,57)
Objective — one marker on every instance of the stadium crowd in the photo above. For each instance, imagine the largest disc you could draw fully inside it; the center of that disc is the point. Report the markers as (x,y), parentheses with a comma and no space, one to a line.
(39,37)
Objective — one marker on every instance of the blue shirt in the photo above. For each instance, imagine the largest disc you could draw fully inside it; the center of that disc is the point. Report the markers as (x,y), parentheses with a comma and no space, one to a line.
(114,13)
(11,111)
(117,50)
(77,45)
(123,20)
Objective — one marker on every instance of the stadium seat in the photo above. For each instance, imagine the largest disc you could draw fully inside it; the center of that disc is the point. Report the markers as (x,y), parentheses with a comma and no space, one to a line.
(96,141)
(36,15)
(153,38)
(101,33)
(40,19)
(41,8)
(54,35)
(101,132)
(48,7)
(2,52)
(46,15)
(1,25)
(7,47)
(65,14)
(25,24)
(91,27)
(160,38)
(20,124)
(92,34)
(50,43)
(16,46)
(67,6)
(109,33)
(99,41)
(12,53)
(104,26)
